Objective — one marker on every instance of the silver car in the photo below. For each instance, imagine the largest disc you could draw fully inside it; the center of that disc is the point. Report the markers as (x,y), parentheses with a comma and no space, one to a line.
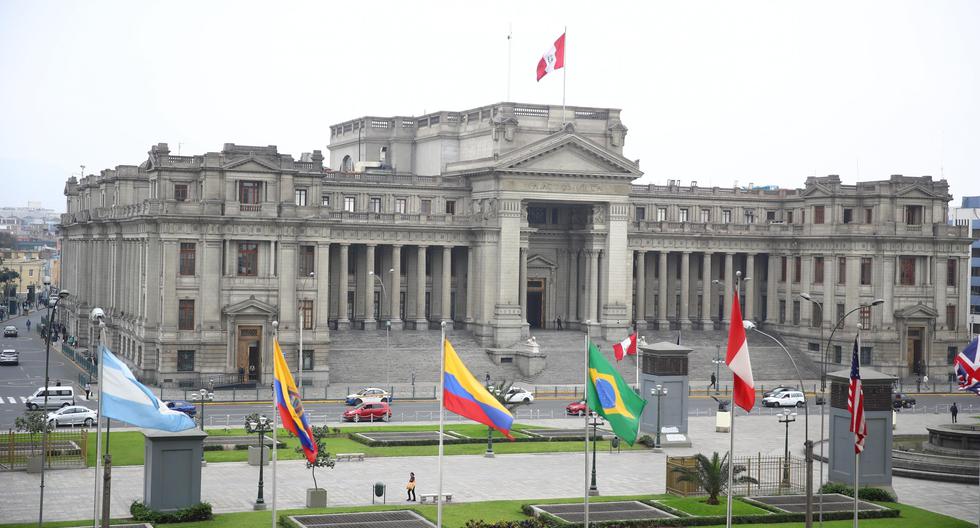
(73,415)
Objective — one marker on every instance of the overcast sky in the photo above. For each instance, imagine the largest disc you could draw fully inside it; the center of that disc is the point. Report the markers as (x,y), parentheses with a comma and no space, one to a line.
(717,92)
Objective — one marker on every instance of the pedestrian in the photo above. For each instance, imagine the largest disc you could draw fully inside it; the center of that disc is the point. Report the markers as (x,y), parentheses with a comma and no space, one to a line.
(28,325)
(558,320)
(954,410)
(411,487)
(88,391)
(488,379)
(58,384)
(241,374)
(714,382)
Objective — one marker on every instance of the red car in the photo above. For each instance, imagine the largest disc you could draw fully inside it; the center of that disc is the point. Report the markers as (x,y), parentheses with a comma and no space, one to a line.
(575,408)
(368,412)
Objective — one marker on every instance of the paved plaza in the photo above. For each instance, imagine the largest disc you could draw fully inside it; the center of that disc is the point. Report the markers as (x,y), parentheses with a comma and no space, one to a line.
(231,486)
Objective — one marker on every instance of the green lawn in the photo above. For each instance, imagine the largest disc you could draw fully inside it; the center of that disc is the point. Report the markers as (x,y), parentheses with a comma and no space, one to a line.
(700,506)
(456,515)
(127,446)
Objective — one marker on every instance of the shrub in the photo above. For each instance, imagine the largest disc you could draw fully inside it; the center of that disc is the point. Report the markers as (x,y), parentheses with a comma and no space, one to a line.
(198,512)
(867,493)
(647,440)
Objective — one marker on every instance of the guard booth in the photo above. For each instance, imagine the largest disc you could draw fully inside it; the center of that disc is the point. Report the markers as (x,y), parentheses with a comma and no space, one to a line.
(876,459)
(665,364)
(172,468)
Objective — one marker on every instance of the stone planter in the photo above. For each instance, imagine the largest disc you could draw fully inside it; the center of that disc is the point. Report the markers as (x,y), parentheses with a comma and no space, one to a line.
(316,498)
(253,456)
(34,464)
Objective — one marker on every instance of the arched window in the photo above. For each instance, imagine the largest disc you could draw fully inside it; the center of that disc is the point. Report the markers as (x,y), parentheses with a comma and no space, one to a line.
(347,165)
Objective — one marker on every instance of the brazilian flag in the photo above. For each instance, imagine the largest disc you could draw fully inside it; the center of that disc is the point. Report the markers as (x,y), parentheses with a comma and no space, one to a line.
(612,398)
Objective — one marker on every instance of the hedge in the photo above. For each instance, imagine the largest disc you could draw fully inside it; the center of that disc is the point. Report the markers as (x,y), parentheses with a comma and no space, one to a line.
(866,493)
(357,437)
(198,512)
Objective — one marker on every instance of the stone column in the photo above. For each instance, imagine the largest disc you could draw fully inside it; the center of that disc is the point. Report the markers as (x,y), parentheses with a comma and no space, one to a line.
(641,289)
(447,270)
(685,315)
(169,287)
(395,287)
(322,289)
(662,322)
(750,287)
(469,286)
(729,286)
(522,285)
(287,287)
(421,323)
(706,294)
(772,296)
(343,286)
(369,281)
(209,276)
(790,266)
(806,285)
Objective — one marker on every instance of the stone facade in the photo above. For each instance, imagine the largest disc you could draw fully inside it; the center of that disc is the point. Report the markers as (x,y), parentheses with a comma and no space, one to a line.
(497,220)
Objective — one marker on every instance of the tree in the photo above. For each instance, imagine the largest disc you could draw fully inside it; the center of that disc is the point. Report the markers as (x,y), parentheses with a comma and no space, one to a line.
(6,277)
(7,240)
(499,392)
(34,423)
(711,475)
(322,455)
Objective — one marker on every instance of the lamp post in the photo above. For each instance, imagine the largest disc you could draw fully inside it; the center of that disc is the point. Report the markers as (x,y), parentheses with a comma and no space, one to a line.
(260,425)
(717,361)
(658,391)
(786,418)
(52,311)
(384,295)
(202,396)
(594,421)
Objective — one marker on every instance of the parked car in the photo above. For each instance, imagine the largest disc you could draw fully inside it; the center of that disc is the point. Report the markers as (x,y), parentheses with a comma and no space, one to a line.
(9,357)
(902,400)
(73,415)
(368,395)
(185,407)
(58,396)
(575,408)
(368,412)
(10,331)
(777,390)
(518,395)
(790,398)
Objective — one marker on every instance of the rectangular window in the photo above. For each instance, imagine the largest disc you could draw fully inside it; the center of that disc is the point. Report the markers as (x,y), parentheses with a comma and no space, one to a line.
(951,353)
(816,316)
(868,215)
(187,256)
(705,216)
(306,309)
(554,215)
(641,213)
(789,217)
(400,205)
(796,313)
(248,259)
(307,261)
(951,317)
(797,269)
(865,271)
(683,215)
(375,205)
(848,215)
(866,355)
(185,314)
(349,204)
(782,269)
(841,270)
(750,216)
(817,214)
(726,216)
(951,272)
(661,214)
(248,192)
(307,360)
(301,197)
(913,215)
(450,207)
(426,207)
(818,270)
(770,216)
(180,192)
(906,267)
(865,317)
(782,311)
(185,361)
(838,353)
(840,314)
(325,200)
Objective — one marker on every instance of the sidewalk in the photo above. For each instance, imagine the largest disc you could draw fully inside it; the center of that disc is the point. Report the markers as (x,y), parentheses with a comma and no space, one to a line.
(232,486)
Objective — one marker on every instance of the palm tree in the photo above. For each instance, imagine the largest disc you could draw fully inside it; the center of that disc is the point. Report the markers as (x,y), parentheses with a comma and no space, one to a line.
(711,475)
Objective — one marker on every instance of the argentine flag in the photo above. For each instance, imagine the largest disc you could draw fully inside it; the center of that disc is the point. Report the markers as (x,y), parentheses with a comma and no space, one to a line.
(127,400)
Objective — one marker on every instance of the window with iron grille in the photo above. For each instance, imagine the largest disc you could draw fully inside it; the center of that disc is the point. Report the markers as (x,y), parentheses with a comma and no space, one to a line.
(841,270)
(306,309)
(906,266)
(185,314)
(180,192)
(307,261)
(185,361)
(325,200)
(307,359)
(188,252)
(817,214)
(865,314)
(865,271)
(951,317)
(248,192)
(450,207)
(248,259)
(951,272)
(818,270)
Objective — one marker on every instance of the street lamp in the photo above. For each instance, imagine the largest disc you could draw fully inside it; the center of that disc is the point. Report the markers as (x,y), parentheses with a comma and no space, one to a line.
(786,418)
(718,362)
(260,425)
(52,310)
(658,391)
(595,421)
(384,295)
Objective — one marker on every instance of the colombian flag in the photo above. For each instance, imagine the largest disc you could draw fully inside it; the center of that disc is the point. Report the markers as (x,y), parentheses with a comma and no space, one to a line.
(291,408)
(463,395)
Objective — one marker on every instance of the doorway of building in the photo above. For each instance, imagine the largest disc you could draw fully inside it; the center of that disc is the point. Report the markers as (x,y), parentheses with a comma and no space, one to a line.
(914,350)
(249,352)
(535,303)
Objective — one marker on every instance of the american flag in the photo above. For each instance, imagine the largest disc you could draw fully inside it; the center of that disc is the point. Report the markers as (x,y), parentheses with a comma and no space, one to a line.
(968,368)
(855,400)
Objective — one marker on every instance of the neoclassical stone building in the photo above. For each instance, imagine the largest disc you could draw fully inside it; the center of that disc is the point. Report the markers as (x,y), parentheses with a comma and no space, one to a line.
(498,220)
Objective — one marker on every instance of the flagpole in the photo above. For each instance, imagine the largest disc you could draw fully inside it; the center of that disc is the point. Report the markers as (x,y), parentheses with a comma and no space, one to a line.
(98,435)
(636,331)
(585,391)
(731,429)
(275,421)
(442,406)
(857,453)
(564,79)
(510,28)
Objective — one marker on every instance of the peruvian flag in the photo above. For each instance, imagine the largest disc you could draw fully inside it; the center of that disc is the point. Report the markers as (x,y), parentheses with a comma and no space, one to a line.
(553,59)
(626,346)
(737,360)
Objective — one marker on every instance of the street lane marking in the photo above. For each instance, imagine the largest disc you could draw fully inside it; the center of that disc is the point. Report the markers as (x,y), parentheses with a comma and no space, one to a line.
(23,399)
(12,400)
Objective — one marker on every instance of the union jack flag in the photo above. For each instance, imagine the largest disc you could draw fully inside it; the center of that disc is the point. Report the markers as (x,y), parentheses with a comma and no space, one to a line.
(855,400)
(967,368)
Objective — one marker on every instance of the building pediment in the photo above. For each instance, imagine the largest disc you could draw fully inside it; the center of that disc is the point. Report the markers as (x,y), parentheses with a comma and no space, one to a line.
(916,311)
(815,191)
(567,153)
(537,261)
(251,164)
(251,306)
(916,191)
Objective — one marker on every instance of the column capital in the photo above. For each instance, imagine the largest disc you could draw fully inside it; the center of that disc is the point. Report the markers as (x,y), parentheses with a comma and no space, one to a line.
(399,246)
(687,252)
(345,244)
(370,245)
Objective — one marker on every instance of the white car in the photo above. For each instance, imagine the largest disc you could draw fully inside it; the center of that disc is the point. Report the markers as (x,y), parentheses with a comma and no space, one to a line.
(73,415)
(518,395)
(368,395)
(790,398)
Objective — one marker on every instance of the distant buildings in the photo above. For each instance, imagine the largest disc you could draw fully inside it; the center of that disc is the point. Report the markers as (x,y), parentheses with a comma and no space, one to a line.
(969,215)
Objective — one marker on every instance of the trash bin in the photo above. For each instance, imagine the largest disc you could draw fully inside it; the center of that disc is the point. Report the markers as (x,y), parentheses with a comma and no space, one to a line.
(379,492)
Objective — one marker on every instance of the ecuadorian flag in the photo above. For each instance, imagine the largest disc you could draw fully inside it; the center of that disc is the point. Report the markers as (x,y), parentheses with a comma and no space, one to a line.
(289,405)
(463,395)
